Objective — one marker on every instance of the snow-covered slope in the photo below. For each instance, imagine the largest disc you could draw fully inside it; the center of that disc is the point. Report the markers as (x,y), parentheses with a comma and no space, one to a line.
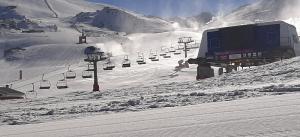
(260,11)
(122,21)
(195,22)
(141,87)
(275,116)
(50,8)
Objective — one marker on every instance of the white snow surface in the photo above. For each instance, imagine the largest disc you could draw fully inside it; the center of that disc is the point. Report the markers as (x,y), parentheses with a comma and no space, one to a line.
(272,116)
(175,104)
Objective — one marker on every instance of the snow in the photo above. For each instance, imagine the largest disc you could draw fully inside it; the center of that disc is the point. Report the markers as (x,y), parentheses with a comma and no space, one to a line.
(143,100)
(122,21)
(264,116)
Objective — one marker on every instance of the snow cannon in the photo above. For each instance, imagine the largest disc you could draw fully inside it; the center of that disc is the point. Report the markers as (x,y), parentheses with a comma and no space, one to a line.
(245,46)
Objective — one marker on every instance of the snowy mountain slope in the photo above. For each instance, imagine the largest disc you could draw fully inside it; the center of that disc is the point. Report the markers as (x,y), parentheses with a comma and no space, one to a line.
(147,87)
(260,11)
(195,22)
(141,87)
(48,8)
(122,21)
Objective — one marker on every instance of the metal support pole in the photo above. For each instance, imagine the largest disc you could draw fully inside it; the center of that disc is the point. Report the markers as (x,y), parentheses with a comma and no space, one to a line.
(96,85)
(185,49)
(21,75)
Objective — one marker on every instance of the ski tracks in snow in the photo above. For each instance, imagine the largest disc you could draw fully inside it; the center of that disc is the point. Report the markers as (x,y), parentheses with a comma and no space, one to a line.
(266,116)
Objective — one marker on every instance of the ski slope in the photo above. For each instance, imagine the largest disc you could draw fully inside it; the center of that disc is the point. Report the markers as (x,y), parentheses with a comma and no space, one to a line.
(143,100)
(272,116)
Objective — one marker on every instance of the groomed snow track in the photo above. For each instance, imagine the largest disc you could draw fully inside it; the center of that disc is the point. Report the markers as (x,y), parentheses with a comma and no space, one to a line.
(257,117)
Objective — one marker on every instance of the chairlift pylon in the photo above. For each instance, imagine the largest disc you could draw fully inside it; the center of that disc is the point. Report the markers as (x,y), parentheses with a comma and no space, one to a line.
(70,74)
(45,84)
(62,84)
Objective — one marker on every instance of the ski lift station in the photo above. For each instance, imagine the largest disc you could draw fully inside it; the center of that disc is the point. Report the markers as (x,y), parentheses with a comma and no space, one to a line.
(245,45)
(8,93)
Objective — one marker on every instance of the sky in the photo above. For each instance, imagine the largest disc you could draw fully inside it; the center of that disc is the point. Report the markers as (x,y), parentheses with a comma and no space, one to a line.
(171,8)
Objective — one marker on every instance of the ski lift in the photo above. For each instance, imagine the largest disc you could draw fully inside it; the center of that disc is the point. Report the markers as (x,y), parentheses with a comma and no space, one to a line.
(141,60)
(126,62)
(70,74)
(155,59)
(168,54)
(180,47)
(87,74)
(90,67)
(33,90)
(155,54)
(172,49)
(109,65)
(151,55)
(162,51)
(188,47)
(45,84)
(177,52)
(62,84)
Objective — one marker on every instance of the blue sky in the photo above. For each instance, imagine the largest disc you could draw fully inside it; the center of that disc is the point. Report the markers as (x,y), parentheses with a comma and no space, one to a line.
(169,8)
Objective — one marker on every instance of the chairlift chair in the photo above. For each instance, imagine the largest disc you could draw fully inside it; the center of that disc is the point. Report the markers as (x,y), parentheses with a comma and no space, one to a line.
(180,47)
(177,52)
(155,59)
(155,54)
(87,74)
(172,49)
(162,51)
(141,60)
(70,74)
(168,54)
(62,84)
(152,55)
(33,90)
(109,66)
(45,84)
(90,67)
(126,62)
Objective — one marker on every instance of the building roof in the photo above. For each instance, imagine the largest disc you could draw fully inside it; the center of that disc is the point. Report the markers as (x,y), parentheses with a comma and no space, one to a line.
(10,92)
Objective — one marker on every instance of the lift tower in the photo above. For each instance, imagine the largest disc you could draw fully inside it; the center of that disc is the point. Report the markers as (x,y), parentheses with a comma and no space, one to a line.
(94,55)
(185,41)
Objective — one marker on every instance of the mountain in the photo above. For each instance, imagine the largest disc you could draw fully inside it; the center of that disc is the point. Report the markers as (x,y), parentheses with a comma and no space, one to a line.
(50,8)
(262,10)
(122,21)
(193,22)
